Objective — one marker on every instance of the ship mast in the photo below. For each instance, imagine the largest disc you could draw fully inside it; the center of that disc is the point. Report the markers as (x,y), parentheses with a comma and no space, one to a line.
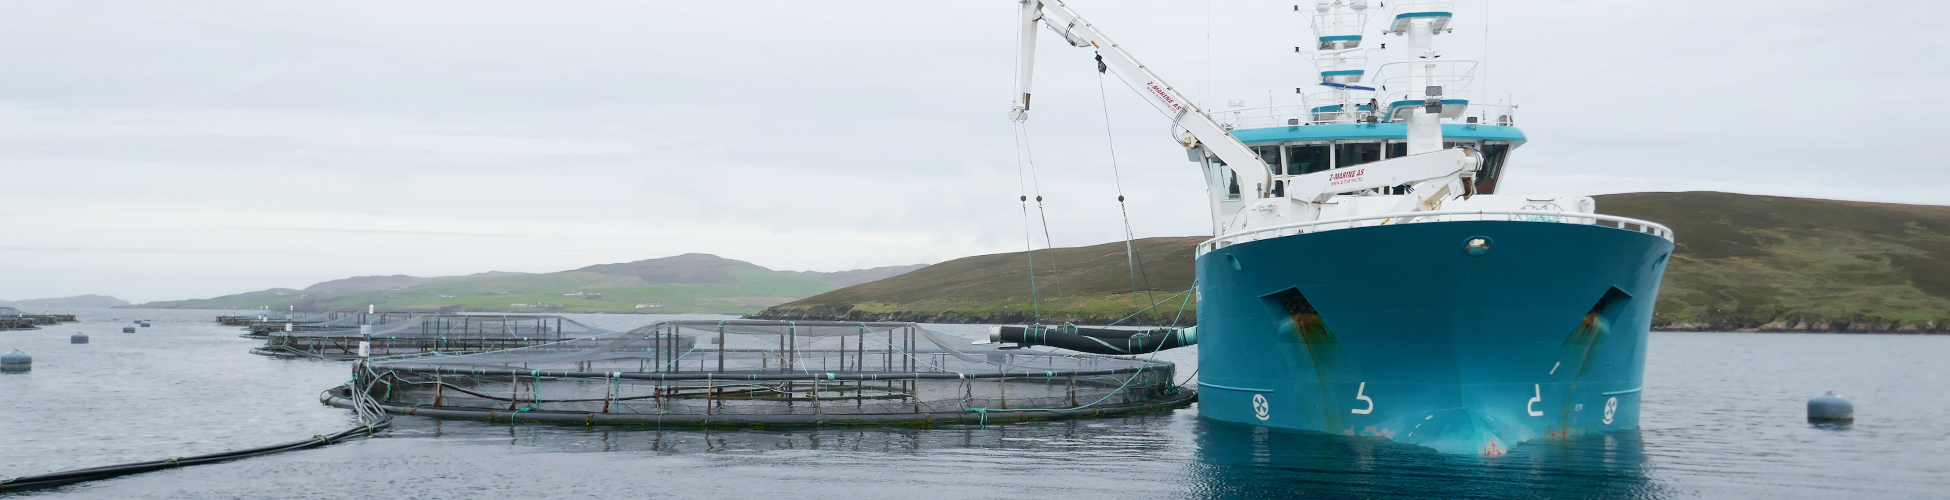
(1421,20)
(1339,58)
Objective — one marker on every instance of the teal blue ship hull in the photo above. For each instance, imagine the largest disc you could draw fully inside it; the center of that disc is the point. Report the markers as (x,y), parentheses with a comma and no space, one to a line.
(1398,331)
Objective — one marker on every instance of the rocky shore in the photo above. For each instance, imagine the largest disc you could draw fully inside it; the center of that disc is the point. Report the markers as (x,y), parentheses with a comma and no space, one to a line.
(1785,324)
(1798,324)
(842,313)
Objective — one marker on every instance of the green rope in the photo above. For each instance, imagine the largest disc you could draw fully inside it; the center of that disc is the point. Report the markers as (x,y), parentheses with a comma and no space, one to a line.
(537,391)
(1181,308)
(983,419)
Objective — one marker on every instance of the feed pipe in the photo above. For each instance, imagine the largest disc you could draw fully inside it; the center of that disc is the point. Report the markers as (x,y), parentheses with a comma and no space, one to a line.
(91,474)
(1096,340)
(816,375)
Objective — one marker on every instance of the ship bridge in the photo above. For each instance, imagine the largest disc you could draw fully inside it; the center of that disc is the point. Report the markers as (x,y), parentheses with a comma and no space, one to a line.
(1304,149)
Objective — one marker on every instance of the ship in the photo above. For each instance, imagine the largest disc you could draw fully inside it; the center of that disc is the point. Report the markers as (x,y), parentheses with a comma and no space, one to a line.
(1367,275)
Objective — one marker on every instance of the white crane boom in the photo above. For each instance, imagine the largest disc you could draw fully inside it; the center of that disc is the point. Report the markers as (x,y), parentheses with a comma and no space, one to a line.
(1431,173)
(1253,174)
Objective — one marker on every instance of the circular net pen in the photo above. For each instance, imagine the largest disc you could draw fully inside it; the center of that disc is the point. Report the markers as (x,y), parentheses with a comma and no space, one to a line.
(745,372)
(259,327)
(428,334)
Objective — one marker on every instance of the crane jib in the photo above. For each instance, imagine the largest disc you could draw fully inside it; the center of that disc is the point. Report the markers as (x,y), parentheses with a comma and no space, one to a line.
(1164,96)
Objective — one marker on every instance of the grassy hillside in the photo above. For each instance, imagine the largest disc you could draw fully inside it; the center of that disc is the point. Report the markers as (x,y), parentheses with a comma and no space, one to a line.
(1092,284)
(1743,262)
(1795,264)
(690,283)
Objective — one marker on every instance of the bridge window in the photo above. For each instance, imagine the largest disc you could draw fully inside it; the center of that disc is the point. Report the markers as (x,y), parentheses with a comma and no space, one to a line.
(1356,153)
(1270,155)
(1222,175)
(1306,159)
(1492,169)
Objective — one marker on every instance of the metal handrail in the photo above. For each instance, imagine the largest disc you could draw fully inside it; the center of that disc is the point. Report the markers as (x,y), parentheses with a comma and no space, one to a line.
(1276,116)
(1622,223)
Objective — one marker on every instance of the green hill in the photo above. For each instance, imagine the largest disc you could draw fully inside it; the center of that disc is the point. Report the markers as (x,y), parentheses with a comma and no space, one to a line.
(1772,263)
(1743,262)
(90,300)
(689,283)
(1093,284)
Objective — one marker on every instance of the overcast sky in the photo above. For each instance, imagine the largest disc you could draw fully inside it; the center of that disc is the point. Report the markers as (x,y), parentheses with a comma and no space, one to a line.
(169,150)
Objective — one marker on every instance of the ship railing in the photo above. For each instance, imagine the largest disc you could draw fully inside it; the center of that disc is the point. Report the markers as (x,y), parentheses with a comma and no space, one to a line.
(1492,114)
(1314,114)
(1298,228)
(1291,116)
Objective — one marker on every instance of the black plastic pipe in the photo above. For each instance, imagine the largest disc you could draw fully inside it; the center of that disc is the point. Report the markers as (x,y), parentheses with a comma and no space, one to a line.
(1096,340)
(91,474)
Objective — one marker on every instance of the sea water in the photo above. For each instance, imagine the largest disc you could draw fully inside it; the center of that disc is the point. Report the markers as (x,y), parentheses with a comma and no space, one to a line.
(1723,418)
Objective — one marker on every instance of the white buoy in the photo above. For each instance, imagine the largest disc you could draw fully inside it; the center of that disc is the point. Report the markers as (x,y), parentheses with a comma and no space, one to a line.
(1830,408)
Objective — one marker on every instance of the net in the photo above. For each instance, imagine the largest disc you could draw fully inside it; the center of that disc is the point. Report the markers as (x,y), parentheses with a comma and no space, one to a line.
(427,333)
(738,372)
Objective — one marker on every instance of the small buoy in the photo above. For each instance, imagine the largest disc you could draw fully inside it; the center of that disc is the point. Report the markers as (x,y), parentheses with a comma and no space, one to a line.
(138,322)
(128,329)
(16,362)
(78,338)
(145,324)
(1830,408)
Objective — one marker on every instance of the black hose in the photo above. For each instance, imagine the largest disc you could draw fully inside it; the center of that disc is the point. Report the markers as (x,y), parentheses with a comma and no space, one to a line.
(1096,340)
(96,473)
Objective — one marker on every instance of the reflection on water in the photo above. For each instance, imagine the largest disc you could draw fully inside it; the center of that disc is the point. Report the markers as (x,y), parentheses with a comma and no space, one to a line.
(1176,455)
(1725,418)
(1242,461)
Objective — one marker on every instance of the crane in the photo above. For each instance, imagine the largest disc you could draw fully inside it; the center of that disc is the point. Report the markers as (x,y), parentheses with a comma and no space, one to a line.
(1433,175)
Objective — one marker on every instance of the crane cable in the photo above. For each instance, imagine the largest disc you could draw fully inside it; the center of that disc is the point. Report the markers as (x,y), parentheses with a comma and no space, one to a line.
(1022,190)
(1130,252)
(1028,241)
(1036,183)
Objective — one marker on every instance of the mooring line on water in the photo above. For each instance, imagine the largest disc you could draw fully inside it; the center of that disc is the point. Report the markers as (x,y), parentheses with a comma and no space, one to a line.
(98,473)
(372,419)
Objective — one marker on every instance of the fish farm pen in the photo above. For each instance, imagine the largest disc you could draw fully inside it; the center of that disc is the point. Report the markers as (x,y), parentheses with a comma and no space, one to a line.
(13,319)
(425,333)
(263,325)
(751,372)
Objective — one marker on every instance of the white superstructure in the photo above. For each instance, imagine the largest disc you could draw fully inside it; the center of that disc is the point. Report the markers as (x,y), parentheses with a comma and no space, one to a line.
(1368,147)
